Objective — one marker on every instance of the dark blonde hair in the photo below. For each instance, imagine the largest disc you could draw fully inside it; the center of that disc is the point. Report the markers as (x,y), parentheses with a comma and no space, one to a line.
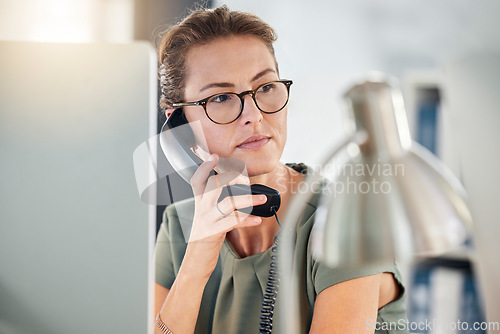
(201,27)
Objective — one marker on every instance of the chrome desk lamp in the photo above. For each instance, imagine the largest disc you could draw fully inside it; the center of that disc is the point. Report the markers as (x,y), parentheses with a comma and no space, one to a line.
(419,207)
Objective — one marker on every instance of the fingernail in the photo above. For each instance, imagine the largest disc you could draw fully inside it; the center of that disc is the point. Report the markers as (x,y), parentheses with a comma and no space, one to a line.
(262,197)
(257,219)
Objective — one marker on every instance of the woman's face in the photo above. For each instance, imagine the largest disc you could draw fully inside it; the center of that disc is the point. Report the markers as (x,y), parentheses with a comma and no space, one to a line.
(236,64)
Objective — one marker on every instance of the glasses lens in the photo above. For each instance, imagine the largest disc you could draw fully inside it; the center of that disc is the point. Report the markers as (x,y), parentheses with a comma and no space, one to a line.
(272,96)
(224,108)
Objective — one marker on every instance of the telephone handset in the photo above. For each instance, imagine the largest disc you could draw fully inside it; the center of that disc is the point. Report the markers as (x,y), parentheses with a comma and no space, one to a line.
(177,146)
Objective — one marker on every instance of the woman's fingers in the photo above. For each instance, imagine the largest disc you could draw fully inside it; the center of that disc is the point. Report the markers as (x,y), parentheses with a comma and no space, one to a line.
(199,179)
(225,179)
(223,217)
(232,203)
(216,183)
(213,219)
(202,184)
(223,225)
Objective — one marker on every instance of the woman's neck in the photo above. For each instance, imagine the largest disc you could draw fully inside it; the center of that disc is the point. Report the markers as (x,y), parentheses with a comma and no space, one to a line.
(277,179)
(253,240)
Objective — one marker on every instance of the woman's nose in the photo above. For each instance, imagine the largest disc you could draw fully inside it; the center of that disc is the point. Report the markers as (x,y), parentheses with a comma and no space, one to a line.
(250,113)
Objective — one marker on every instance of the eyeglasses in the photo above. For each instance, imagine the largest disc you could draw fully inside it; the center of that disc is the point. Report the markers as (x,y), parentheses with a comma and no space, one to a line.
(225,108)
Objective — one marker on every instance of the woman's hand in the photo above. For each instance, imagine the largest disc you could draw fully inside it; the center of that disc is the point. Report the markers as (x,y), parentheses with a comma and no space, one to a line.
(182,302)
(212,220)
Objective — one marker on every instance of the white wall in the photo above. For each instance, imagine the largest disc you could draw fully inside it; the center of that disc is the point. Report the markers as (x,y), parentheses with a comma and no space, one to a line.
(472,86)
(322,44)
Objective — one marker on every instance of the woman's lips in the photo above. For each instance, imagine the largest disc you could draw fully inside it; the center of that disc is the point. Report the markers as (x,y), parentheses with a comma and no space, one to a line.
(254,143)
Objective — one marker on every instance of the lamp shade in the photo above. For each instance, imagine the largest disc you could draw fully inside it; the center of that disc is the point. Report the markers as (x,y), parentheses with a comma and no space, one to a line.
(392,198)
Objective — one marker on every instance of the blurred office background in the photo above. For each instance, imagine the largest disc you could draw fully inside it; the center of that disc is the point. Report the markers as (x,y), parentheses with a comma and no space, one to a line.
(322,45)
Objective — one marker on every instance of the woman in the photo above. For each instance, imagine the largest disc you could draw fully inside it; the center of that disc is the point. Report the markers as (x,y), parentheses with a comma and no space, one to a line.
(217,281)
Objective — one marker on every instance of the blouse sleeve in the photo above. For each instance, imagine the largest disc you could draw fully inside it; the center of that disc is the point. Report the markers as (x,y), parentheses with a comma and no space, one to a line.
(164,269)
(325,277)
(170,244)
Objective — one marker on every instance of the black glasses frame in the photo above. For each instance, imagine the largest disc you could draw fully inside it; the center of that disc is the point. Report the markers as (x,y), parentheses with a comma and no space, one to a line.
(204,101)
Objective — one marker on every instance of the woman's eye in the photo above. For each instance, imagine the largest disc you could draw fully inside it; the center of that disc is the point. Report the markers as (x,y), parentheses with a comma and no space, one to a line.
(267,87)
(221,98)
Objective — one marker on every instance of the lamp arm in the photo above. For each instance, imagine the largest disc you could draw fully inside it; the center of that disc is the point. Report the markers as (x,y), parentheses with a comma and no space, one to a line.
(289,300)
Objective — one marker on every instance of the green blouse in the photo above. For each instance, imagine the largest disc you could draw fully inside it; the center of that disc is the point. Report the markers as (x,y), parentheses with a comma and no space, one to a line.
(232,299)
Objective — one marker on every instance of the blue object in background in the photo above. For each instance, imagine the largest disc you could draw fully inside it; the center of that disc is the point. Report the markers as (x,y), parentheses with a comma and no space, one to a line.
(422,304)
(471,311)
(427,118)
(419,297)
(424,307)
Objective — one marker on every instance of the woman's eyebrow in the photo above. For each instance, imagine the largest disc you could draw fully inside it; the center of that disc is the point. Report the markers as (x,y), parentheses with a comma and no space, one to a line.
(217,84)
(230,85)
(262,73)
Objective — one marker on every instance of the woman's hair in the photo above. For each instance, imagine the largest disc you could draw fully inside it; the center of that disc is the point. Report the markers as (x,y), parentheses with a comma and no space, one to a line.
(201,27)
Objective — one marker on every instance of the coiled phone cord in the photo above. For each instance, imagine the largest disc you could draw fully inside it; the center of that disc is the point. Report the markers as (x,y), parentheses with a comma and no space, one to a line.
(271,292)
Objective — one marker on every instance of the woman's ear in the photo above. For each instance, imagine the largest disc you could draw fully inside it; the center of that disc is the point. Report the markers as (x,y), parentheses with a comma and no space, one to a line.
(169,112)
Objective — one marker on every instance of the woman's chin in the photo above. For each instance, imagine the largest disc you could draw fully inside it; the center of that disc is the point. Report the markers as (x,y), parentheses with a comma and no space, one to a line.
(260,162)
(256,168)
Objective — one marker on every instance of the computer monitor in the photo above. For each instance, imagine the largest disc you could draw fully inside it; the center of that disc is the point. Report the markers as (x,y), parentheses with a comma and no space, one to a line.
(75,238)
